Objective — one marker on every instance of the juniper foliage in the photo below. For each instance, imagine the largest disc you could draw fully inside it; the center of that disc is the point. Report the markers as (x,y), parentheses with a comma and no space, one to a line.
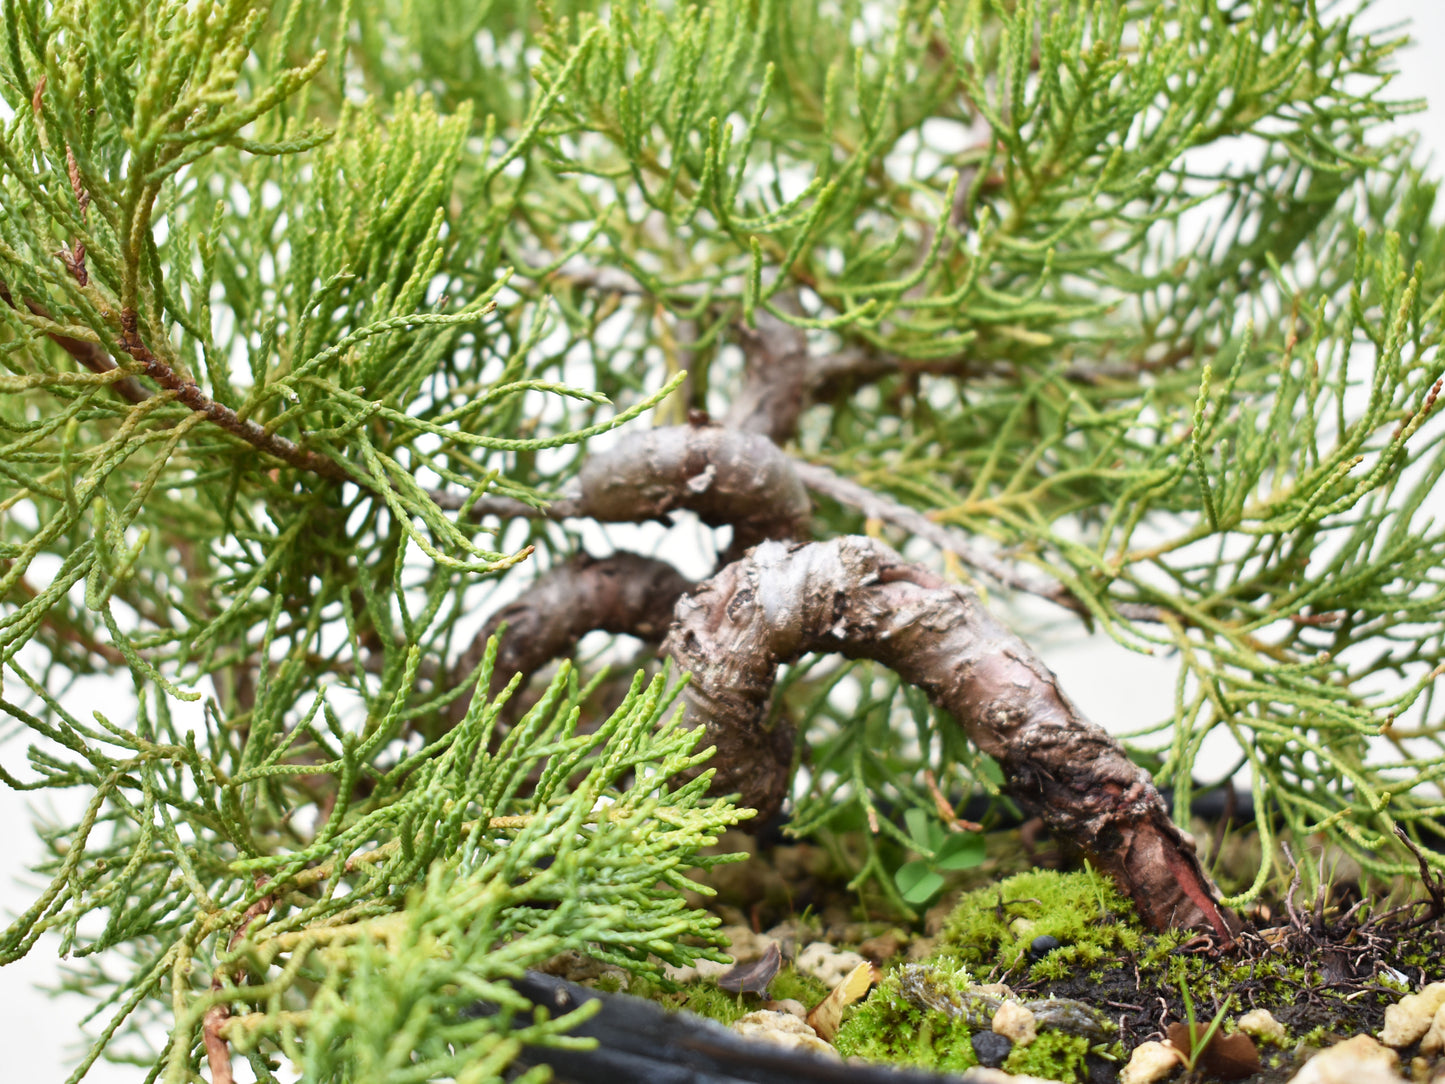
(1133,289)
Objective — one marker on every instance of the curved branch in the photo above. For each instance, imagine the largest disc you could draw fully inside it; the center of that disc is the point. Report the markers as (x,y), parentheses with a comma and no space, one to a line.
(624,594)
(727,476)
(857,597)
(724,475)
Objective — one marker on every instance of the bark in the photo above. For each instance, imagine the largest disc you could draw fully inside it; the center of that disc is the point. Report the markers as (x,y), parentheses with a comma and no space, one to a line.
(857,597)
(776,378)
(725,476)
(623,593)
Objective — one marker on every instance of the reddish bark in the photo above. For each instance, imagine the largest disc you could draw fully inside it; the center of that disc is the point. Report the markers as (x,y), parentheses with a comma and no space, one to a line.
(857,597)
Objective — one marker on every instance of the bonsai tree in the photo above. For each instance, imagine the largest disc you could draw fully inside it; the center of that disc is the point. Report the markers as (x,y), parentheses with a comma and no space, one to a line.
(334,334)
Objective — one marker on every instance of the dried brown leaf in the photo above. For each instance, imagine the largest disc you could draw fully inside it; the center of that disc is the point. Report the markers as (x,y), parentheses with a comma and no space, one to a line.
(827,1015)
(753,978)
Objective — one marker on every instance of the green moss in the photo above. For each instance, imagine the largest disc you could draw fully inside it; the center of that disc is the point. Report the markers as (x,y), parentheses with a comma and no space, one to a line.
(888,1028)
(702,996)
(610,983)
(995,926)
(1053,1055)
(790,983)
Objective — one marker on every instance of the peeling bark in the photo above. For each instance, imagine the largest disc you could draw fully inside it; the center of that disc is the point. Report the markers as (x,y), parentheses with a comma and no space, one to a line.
(622,594)
(725,476)
(857,597)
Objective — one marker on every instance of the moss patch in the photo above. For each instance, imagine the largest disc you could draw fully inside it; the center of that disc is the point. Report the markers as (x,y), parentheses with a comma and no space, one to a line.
(925,1016)
(1053,1056)
(992,929)
(703,997)
(890,1028)
(1323,980)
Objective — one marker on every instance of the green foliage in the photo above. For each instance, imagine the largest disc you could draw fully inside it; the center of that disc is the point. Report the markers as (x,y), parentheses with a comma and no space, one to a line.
(1131,290)
(405,906)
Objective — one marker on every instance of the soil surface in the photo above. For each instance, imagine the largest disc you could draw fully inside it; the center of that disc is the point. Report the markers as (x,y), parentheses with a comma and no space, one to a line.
(1326,969)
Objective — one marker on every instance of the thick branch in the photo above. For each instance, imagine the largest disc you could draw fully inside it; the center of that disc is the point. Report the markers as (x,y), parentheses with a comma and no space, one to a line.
(776,379)
(622,594)
(708,470)
(725,476)
(856,597)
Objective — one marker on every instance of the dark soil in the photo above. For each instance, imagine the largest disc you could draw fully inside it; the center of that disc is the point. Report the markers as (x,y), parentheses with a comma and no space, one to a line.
(1336,995)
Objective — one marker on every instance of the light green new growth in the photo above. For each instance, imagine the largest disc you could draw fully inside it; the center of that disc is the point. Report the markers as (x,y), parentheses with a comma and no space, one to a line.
(1135,292)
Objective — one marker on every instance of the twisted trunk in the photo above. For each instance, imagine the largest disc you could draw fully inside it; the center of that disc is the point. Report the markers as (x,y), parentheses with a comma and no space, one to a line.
(857,597)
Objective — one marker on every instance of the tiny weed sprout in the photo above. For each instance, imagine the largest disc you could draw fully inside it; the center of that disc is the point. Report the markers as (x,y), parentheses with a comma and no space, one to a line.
(920,880)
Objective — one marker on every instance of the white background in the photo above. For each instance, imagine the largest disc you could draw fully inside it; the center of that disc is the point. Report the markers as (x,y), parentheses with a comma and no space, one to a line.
(38,1033)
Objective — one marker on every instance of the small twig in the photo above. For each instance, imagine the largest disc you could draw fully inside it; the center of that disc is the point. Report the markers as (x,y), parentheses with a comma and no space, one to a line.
(74,257)
(827,482)
(1434,883)
(1295,921)
(90,355)
(189,394)
(945,810)
(93,357)
(503,507)
(218,1050)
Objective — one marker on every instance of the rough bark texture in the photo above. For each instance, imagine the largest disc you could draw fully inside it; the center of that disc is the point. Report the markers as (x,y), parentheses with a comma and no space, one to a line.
(623,594)
(725,476)
(857,597)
